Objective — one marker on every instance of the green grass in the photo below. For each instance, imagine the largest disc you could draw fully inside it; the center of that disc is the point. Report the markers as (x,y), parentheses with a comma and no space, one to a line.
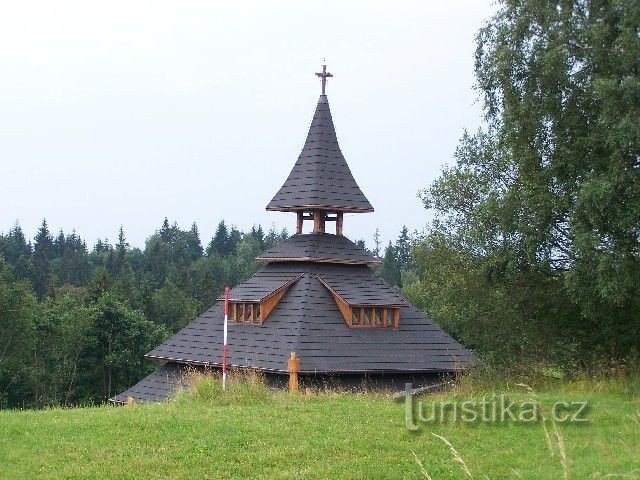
(251,433)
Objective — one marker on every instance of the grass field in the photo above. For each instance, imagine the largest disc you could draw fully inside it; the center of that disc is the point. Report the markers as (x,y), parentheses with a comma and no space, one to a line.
(249,432)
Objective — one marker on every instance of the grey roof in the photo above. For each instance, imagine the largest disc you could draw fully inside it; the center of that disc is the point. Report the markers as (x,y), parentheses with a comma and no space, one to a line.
(375,292)
(156,387)
(257,288)
(321,178)
(317,247)
(307,321)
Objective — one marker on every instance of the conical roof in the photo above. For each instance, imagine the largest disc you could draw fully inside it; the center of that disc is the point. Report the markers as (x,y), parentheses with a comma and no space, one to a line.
(321,178)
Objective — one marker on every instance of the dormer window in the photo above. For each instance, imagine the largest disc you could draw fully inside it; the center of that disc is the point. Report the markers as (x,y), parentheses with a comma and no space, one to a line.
(373,304)
(253,301)
(245,312)
(375,317)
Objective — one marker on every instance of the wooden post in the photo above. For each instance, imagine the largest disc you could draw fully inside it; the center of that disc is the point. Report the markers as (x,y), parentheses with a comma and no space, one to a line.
(300,220)
(339,222)
(318,221)
(293,365)
(130,401)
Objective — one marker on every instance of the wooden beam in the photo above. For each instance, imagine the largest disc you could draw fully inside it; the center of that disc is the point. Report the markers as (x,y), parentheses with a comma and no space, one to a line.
(300,221)
(384,317)
(318,221)
(344,308)
(372,318)
(269,303)
(339,223)
(396,317)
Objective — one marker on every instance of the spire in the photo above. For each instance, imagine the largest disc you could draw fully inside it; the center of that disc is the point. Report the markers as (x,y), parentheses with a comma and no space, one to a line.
(320,179)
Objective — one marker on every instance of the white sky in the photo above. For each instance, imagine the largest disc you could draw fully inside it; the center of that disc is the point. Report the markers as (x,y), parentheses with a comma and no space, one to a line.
(124,112)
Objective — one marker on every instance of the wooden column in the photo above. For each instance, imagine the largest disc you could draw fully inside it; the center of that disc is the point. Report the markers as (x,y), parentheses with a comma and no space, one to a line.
(300,220)
(339,219)
(318,221)
(293,365)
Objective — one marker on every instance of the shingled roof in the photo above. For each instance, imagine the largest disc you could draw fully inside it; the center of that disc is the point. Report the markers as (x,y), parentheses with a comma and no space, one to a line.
(257,288)
(158,386)
(375,293)
(318,247)
(308,321)
(321,178)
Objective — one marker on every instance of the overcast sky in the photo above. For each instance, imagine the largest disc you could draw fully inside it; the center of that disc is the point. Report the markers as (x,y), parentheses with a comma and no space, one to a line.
(124,112)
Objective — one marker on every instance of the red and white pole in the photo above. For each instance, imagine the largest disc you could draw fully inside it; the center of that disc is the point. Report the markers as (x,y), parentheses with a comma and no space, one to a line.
(224,343)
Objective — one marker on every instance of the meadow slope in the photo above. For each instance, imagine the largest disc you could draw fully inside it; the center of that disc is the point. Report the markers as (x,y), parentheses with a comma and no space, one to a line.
(252,433)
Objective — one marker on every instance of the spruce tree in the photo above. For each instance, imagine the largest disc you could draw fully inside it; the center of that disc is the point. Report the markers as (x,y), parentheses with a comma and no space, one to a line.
(403,248)
(194,246)
(389,269)
(42,255)
(220,242)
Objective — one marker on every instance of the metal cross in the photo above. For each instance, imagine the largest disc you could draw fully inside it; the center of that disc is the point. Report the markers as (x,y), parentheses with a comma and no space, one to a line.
(324,75)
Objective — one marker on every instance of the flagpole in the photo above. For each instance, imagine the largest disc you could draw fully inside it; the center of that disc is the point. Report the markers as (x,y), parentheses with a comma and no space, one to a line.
(224,343)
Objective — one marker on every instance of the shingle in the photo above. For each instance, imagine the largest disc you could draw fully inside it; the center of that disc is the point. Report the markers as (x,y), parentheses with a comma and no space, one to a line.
(258,287)
(373,292)
(318,247)
(321,178)
(307,321)
(156,387)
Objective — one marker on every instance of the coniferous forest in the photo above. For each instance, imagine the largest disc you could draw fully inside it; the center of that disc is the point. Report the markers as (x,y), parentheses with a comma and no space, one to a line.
(77,320)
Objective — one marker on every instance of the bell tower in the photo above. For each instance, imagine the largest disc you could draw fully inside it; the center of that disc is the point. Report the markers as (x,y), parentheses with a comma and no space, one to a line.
(321,187)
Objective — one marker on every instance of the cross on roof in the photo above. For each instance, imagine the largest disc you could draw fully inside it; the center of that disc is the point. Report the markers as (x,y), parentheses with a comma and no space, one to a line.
(324,75)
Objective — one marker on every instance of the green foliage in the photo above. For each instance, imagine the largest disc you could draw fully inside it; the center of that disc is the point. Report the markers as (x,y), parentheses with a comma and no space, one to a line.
(42,254)
(63,344)
(172,308)
(403,249)
(536,241)
(18,311)
(121,337)
(390,268)
(100,312)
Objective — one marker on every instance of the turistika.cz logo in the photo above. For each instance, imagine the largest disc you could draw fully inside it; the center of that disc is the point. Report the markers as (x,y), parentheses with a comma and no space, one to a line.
(489,409)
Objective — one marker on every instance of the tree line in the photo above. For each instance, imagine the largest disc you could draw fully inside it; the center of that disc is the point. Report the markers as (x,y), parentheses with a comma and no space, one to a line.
(76,322)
